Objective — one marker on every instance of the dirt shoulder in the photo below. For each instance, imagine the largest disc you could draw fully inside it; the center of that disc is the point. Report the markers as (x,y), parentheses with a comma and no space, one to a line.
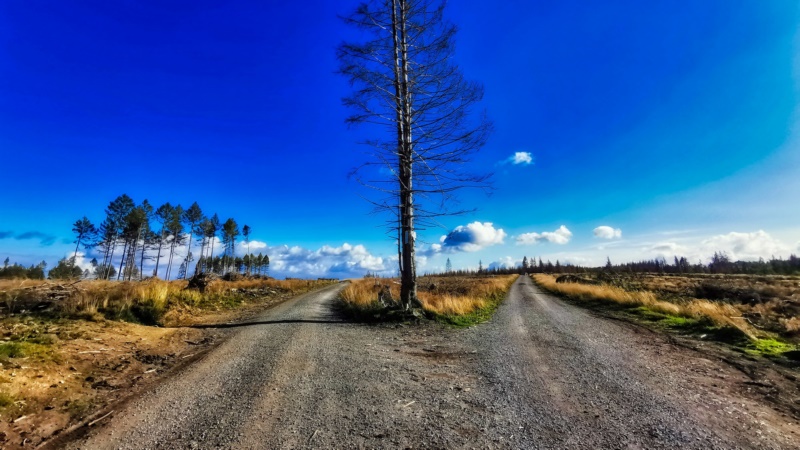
(60,374)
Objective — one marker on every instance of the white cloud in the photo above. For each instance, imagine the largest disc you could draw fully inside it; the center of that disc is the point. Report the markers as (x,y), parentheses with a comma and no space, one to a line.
(505,263)
(667,250)
(255,246)
(521,158)
(576,261)
(345,261)
(81,261)
(746,246)
(469,238)
(606,232)
(738,246)
(560,236)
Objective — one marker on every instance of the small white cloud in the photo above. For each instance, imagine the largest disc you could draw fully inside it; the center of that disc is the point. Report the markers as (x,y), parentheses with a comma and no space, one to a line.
(254,246)
(504,263)
(469,238)
(522,158)
(746,246)
(606,232)
(81,261)
(577,261)
(666,250)
(560,236)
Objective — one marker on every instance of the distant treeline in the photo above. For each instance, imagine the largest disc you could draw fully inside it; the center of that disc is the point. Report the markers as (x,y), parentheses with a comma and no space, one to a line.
(719,263)
(19,271)
(132,234)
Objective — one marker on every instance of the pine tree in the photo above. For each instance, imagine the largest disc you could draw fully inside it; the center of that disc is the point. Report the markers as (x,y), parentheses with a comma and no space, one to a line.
(212,227)
(85,232)
(112,228)
(246,234)
(175,229)
(191,217)
(229,232)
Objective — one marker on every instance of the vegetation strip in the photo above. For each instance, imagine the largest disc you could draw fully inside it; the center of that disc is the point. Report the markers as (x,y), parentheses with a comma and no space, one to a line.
(710,319)
(454,300)
(62,357)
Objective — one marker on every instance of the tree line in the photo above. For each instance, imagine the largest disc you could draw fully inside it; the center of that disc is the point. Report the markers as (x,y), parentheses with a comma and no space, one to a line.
(131,234)
(719,263)
(35,272)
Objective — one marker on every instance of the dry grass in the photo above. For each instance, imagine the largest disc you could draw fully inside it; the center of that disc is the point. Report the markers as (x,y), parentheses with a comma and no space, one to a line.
(363,293)
(443,296)
(38,354)
(720,314)
(145,301)
(768,303)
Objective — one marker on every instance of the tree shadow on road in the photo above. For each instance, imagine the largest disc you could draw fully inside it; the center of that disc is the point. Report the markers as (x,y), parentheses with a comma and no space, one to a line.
(264,322)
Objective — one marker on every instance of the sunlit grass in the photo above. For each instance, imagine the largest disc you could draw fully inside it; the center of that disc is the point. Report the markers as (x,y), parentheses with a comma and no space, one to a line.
(719,314)
(145,301)
(458,300)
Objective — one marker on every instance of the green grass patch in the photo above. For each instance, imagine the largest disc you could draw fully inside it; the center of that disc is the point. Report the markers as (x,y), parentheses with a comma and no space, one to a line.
(669,320)
(23,349)
(704,328)
(79,408)
(768,347)
(6,400)
(475,317)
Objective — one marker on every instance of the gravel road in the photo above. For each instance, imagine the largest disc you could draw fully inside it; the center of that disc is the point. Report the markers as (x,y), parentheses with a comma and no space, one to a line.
(542,374)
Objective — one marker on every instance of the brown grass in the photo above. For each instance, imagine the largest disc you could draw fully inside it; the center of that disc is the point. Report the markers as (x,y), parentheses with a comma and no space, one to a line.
(146,301)
(456,296)
(769,303)
(720,314)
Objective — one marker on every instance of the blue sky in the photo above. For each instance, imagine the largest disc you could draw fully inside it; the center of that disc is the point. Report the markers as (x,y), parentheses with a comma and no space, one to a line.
(675,123)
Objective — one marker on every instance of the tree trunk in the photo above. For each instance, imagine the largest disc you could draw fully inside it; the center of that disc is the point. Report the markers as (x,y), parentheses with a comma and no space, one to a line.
(135,247)
(75,255)
(191,226)
(199,265)
(160,244)
(107,267)
(211,247)
(141,259)
(169,261)
(408,276)
(122,261)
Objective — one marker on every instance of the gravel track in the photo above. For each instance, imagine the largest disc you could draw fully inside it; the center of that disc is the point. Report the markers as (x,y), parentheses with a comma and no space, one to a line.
(541,374)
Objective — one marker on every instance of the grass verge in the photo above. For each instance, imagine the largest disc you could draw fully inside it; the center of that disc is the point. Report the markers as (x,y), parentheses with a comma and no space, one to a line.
(457,301)
(148,302)
(714,320)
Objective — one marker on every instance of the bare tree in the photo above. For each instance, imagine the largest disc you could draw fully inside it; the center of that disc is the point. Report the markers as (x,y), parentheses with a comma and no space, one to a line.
(405,82)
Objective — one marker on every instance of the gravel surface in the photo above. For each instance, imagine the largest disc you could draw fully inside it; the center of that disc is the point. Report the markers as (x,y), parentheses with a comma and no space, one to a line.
(541,374)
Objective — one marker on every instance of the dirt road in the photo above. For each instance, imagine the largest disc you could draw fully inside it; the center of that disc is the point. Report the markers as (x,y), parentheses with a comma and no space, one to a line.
(541,374)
